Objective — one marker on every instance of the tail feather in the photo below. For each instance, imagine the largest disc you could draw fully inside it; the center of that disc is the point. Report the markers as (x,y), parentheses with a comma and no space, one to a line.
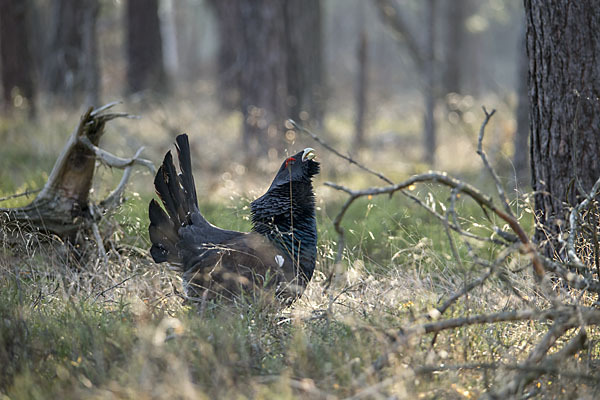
(163,234)
(185,164)
(178,196)
(179,230)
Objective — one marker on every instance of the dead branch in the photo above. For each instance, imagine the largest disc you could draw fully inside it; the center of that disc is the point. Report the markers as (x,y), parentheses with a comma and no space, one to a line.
(446,180)
(529,372)
(337,153)
(563,307)
(551,370)
(443,178)
(573,217)
(486,163)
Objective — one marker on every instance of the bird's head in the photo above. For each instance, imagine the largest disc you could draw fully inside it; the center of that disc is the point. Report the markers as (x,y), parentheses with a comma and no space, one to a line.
(300,167)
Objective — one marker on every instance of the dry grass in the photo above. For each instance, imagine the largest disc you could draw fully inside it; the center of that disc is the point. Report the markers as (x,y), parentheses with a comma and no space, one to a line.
(75,327)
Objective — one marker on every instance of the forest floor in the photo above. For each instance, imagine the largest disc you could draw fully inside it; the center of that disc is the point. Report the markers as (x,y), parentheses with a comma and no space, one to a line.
(86,328)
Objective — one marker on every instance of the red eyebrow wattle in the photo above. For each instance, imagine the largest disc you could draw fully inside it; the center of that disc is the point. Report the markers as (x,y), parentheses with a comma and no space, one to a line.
(288,161)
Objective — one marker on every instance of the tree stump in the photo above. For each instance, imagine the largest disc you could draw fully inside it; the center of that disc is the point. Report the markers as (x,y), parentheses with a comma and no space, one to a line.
(63,206)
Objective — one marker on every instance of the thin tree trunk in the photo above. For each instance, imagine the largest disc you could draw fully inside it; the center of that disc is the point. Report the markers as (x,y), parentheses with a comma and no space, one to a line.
(15,56)
(145,69)
(429,117)
(361,90)
(230,53)
(305,60)
(72,67)
(456,13)
(564,87)
(263,79)
(91,68)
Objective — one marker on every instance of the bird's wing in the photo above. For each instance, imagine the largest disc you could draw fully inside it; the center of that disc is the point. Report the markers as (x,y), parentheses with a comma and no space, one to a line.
(246,265)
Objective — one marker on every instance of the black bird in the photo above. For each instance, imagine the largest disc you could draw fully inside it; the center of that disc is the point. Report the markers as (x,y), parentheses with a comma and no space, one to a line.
(276,258)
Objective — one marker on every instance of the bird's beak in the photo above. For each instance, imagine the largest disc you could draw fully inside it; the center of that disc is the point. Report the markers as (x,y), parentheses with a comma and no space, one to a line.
(309,154)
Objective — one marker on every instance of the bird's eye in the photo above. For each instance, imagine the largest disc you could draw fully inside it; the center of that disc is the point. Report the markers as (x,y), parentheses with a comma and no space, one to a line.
(289,161)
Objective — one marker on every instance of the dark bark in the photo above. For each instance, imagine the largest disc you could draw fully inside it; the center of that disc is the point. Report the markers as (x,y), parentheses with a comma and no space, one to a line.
(15,53)
(563,46)
(263,80)
(456,14)
(145,69)
(72,65)
(303,27)
(521,139)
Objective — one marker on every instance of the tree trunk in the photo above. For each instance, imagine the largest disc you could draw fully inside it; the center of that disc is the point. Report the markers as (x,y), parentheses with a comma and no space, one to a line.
(456,14)
(429,92)
(72,67)
(361,90)
(303,28)
(187,13)
(521,139)
(230,52)
(91,67)
(145,68)
(270,64)
(263,79)
(15,56)
(564,86)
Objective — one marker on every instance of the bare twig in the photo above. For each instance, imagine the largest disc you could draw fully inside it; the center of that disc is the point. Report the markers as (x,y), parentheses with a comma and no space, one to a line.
(546,369)
(479,281)
(25,193)
(444,179)
(102,293)
(337,153)
(573,217)
(117,162)
(520,380)
(481,152)
(114,198)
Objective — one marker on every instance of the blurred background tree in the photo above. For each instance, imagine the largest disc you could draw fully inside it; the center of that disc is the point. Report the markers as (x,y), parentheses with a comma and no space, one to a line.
(145,63)
(71,71)
(267,61)
(15,55)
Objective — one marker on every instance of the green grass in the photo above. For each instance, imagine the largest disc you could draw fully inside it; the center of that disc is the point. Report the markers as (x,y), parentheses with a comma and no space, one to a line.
(79,328)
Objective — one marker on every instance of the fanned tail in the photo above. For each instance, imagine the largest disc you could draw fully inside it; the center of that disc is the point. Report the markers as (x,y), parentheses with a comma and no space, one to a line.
(179,231)
(178,195)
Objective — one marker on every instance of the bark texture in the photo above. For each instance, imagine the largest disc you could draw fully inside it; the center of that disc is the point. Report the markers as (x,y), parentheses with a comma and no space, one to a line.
(563,45)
